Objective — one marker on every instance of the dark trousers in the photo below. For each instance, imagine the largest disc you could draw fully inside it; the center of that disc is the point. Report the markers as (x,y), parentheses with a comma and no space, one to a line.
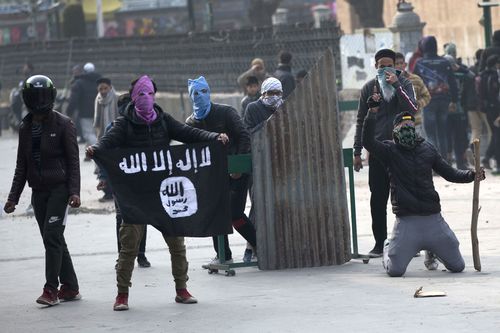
(119,220)
(493,150)
(50,209)
(436,123)
(242,224)
(457,137)
(378,180)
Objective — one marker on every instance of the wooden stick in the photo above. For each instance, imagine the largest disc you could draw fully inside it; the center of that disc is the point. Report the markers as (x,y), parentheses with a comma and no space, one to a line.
(475,208)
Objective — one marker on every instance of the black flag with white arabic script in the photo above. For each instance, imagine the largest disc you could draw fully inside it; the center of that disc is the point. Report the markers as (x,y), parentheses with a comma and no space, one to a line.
(182,190)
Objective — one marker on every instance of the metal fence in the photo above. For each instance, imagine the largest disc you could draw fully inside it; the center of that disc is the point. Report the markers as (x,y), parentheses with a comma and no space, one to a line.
(301,207)
(172,59)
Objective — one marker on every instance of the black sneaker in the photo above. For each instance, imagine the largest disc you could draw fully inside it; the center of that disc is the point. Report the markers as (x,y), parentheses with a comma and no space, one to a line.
(247,257)
(143,261)
(377,252)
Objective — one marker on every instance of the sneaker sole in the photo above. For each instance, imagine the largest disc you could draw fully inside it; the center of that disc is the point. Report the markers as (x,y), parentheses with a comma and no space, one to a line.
(121,307)
(43,302)
(375,255)
(185,301)
(76,298)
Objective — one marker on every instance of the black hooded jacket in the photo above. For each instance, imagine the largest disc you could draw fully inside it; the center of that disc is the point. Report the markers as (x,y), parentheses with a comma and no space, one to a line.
(494,49)
(83,93)
(410,172)
(284,74)
(436,72)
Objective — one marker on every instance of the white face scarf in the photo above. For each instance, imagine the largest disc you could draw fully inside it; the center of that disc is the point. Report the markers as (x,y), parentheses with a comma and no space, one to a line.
(388,90)
(271,84)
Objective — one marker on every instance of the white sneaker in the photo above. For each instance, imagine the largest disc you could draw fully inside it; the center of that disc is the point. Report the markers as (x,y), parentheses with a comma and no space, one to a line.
(431,261)
(216,261)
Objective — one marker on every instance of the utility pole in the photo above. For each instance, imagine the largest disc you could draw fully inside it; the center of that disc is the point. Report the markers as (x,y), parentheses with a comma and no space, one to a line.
(99,19)
(192,21)
(486,5)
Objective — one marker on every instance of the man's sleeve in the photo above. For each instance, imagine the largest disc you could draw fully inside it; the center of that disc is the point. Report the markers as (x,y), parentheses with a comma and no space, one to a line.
(452,82)
(374,146)
(406,96)
(362,111)
(72,158)
(449,173)
(74,99)
(243,77)
(19,175)
(423,94)
(115,136)
(238,131)
(188,134)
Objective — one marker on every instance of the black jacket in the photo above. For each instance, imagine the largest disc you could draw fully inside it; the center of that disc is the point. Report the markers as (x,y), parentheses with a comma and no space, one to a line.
(225,119)
(469,96)
(436,72)
(256,115)
(489,51)
(247,100)
(83,93)
(410,172)
(403,100)
(129,131)
(59,157)
(284,74)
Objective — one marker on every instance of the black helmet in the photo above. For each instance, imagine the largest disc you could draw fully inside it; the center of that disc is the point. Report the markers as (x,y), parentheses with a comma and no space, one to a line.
(39,94)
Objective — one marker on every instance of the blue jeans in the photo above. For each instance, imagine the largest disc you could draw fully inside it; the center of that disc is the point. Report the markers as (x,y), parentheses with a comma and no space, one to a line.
(436,123)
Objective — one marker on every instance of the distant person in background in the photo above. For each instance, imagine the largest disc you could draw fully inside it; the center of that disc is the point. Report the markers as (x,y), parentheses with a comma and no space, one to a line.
(457,121)
(422,95)
(252,94)
(284,73)
(257,69)
(419,53)
(439,79)
(469,100)
(489,100)
(494,49)
(82,100)
(19,110)
(106,110)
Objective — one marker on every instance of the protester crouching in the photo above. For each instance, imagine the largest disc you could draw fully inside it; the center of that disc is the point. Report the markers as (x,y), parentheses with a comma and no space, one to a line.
(47,158)
(410,160)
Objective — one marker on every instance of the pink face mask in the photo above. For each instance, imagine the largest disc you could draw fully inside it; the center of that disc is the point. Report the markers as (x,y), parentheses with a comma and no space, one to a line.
(144,99)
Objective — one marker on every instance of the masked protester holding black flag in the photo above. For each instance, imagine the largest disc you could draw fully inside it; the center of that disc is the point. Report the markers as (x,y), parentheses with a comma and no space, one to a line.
(397,96)
(419,225)
(144,124)
(47,157)
(218,117)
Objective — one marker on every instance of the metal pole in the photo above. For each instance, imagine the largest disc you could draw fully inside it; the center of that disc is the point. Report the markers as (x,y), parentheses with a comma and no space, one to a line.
(192,22)
(99,19)
(487,24)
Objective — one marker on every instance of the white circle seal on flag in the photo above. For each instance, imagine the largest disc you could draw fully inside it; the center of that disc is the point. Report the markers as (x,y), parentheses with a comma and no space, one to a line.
(178,197)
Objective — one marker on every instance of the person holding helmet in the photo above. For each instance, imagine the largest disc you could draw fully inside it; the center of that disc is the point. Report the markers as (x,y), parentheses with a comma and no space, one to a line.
(47,157)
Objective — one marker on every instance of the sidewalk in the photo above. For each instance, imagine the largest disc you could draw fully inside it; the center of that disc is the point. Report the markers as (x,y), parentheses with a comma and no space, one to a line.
(349,298)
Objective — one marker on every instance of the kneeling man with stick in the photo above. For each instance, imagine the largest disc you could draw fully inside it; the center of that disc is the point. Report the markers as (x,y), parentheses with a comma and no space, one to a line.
(410,161)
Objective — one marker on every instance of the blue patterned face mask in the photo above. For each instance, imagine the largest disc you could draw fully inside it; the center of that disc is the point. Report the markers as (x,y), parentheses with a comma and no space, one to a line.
(387,89)
(199,91)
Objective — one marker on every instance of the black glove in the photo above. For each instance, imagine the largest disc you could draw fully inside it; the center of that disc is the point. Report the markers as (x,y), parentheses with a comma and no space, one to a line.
(372,103)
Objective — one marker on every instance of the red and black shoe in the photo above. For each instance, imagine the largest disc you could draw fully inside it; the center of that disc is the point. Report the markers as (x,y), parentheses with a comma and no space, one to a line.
(184,297)
(65,294)
(49,297)
(121,302)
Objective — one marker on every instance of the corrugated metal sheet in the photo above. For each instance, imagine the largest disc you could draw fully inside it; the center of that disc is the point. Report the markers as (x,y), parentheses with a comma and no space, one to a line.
(300,202)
